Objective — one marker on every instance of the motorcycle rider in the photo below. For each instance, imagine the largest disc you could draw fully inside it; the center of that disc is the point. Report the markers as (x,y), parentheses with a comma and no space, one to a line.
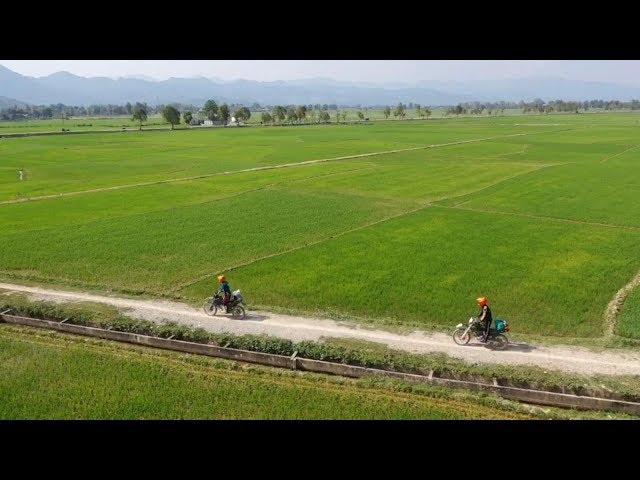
(485,316)
(225,289)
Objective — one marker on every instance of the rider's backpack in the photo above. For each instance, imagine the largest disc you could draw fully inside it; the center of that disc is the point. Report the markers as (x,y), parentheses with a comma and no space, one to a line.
(501,325)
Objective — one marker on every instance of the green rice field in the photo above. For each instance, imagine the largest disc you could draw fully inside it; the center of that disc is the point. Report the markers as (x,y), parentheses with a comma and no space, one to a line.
(396,223)
(44,375)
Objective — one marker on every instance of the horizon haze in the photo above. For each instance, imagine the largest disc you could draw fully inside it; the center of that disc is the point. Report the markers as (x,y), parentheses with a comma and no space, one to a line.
(366,83)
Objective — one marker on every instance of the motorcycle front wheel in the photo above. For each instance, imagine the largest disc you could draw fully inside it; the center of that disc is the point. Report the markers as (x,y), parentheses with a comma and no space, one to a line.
(460,337)
(209,307)
(238,312)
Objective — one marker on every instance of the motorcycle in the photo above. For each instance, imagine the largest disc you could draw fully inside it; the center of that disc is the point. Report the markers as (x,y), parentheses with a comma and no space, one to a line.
(235,306)
(496,340)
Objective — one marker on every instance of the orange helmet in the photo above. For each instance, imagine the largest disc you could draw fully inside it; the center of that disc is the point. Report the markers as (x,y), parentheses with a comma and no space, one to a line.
(482,301)
(221,279)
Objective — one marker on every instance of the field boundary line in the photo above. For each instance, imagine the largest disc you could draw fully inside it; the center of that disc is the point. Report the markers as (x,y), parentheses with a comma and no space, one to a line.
(205,202)
(619,153)
(299,247)
(541,217)
(266,167)
(616,303)
(78,285)
(533,170)
(430,203)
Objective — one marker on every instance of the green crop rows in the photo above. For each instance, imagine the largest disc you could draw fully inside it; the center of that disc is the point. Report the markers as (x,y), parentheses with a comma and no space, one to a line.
(45,376)
(538,213)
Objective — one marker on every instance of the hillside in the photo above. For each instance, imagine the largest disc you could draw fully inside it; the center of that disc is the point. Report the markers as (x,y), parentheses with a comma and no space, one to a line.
(70,89)
(10,102)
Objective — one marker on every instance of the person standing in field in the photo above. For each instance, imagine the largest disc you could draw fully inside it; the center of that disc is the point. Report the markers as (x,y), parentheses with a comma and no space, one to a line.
(485,316)
(21,174)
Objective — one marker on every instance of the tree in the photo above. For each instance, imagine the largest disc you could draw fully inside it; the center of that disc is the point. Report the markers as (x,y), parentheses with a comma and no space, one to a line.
(312,115)
(171,115)
(210,110)
(360,115)
(399,111)
(242,114)
(386,112)
(266,117)
(427,112)
(324,116)
(301,112)
(187,117)
(223,113)
(419,110)
(279,113)
(140,113)
(291,115)
(129,108)
(344,115)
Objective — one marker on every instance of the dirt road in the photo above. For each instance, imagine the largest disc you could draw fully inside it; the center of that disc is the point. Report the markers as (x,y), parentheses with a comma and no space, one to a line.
(571,359)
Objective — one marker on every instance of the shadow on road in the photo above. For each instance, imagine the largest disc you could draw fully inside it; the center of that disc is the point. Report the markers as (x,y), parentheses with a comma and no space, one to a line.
(512,347)
(248,316)
(254,317)
(521,347)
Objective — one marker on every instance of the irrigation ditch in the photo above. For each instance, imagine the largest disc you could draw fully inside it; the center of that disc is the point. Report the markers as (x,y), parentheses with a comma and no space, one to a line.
(608,401)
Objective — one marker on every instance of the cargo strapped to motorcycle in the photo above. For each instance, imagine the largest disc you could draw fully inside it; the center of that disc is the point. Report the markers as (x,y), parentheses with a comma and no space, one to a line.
(501,325)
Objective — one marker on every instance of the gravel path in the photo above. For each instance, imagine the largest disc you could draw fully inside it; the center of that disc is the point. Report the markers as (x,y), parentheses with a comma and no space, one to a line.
(570,359)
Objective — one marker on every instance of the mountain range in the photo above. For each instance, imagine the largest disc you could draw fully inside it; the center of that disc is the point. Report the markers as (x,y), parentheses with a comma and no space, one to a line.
(70,89)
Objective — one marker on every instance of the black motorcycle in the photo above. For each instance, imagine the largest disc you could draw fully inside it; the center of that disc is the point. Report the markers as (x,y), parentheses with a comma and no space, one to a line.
(496,339)
(235,306)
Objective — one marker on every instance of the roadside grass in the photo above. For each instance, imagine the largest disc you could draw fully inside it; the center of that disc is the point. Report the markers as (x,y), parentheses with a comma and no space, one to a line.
(546,277)
(628,324)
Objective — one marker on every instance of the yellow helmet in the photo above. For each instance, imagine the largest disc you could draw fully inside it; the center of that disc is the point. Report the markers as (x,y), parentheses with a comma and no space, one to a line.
(221,278)
(482,301)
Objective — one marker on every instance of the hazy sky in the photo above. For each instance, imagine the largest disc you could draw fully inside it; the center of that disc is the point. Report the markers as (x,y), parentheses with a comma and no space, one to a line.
(618,71)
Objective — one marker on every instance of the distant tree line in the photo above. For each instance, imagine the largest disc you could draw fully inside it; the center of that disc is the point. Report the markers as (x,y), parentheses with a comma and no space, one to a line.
(174,113)
(59,110)
(539,106)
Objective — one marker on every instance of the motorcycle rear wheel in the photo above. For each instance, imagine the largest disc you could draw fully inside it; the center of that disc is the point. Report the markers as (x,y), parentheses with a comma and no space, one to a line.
(209,307)
(459,338)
